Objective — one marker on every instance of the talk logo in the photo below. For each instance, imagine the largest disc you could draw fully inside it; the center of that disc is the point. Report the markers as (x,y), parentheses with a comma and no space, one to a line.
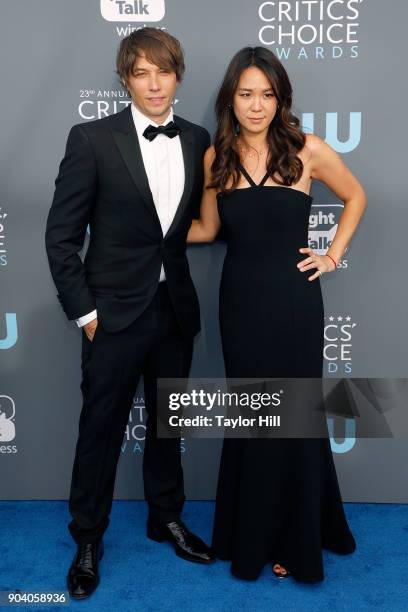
(7,413)
(132,10)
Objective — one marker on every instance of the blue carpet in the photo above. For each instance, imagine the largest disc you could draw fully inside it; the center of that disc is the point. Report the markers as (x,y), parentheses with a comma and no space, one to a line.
(139,574)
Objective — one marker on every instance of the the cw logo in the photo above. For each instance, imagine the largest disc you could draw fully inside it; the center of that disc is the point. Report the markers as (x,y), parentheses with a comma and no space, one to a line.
(11,331)
(349,439)
(331,136)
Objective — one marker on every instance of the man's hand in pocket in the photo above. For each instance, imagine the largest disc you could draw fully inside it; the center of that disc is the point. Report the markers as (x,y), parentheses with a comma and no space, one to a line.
(90,329)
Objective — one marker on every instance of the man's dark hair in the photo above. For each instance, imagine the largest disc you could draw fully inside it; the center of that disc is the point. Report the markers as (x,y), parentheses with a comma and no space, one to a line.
(159,48)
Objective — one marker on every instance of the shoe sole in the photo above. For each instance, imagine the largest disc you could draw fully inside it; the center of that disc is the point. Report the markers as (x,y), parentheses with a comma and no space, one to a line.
(85,596)
(180,554)
(158,537)
(282,576)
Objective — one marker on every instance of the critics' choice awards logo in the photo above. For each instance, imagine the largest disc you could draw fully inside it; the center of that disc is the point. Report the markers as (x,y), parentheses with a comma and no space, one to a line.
(3,250)
(311,29)
(135,433)
(99,103)
(7,425)
(323,222)
(338,342)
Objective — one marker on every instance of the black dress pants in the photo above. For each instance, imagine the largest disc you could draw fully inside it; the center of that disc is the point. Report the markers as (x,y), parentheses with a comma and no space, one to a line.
(112,364)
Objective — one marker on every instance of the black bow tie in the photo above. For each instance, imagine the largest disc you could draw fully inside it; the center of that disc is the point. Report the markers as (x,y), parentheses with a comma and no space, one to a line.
(171,130)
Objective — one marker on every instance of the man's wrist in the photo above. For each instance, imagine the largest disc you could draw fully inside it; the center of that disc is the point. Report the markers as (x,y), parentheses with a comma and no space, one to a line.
(81,321)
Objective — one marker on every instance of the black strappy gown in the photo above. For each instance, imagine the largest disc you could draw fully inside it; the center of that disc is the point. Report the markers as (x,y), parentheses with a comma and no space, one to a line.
(278,500)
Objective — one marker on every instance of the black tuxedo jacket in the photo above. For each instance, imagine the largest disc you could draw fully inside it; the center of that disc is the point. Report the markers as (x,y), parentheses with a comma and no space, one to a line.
(102,181)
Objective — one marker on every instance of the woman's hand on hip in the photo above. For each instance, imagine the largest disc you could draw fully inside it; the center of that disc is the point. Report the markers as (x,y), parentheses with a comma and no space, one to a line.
(323,263)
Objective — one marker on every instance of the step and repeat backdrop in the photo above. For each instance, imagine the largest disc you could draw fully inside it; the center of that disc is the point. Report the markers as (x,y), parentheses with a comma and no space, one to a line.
(345,59)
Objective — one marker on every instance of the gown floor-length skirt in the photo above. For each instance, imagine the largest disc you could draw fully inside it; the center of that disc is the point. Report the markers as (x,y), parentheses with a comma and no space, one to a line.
(278,499)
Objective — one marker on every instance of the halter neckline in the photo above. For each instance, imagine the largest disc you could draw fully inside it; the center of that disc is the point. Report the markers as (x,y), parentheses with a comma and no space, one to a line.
(249,178)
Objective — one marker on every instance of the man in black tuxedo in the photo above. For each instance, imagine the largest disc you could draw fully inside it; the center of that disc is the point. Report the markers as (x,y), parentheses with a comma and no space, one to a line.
(135,178)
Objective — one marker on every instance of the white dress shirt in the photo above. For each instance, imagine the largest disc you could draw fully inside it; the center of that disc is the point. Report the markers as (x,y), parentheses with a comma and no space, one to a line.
(164,165)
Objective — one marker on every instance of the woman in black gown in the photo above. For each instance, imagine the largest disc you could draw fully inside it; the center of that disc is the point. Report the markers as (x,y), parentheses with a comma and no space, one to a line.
(278,499)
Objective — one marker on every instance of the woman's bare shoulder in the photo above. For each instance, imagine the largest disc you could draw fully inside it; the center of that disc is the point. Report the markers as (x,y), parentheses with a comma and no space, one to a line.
(313,144)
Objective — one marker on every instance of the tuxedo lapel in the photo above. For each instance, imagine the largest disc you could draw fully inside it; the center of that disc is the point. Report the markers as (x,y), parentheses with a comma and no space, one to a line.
(126,139)
(187,142)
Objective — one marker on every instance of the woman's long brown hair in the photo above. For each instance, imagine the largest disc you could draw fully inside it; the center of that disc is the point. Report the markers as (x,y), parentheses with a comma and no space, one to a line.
(285,137)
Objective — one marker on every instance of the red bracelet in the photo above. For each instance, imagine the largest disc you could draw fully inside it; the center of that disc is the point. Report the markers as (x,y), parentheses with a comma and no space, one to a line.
(327,255)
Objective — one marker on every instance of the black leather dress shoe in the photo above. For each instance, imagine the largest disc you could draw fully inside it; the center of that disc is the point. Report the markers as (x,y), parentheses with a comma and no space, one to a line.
(83,575)
(187,545)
